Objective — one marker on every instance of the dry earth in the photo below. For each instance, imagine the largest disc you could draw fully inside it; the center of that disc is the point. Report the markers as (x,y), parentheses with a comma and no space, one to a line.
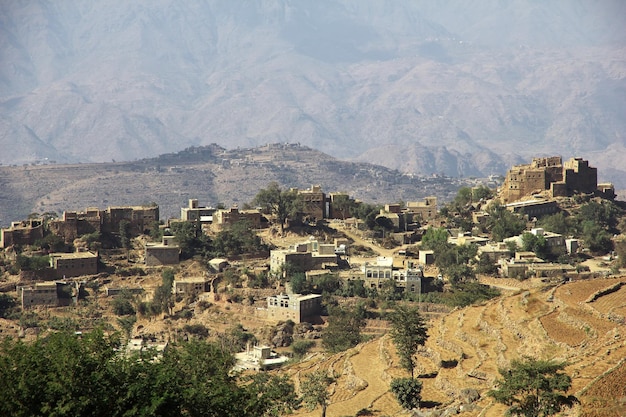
(557,322)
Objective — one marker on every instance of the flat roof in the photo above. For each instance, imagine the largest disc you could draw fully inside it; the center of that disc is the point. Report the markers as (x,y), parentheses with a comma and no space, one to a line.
(73,255)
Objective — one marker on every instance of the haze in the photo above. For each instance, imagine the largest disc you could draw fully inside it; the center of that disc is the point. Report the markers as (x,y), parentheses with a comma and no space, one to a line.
(455,87)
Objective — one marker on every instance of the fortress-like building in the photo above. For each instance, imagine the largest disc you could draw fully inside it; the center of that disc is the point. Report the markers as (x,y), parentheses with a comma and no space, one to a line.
(553,177)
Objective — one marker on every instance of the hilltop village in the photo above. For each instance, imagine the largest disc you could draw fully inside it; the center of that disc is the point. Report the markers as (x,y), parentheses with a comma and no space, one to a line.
(297,275)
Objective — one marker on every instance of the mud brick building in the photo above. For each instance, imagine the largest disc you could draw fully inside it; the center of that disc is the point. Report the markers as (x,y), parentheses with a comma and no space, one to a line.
(74,264)
(75,223)
(21,233)
(552,177)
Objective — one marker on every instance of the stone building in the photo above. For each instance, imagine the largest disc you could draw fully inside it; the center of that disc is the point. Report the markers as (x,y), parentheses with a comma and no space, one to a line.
(225,218)
(74,223)
(193,212)
(549,176)
(25,232)
(408,278)
(191,285)
(314,203)
(74,264)
(45,294)
(294,307)
(166,252)
(304,256)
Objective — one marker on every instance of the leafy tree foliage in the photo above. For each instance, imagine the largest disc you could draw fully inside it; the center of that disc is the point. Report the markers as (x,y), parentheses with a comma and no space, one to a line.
(283,204)
(314,389)
(7,303)
(408,392)
(344,328)
(502,223)
(596,238)
(434,238)
(191,239)
(63,375)
(53,243)
(343,205)
(558,223)
(122,306)
(299,284)
(239,239)
(125,234)
(408,332)
(301,346)
(536,244)
(32,263)
(533,387)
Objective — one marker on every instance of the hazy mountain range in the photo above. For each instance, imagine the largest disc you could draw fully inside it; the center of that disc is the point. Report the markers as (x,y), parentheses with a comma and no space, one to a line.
(457,87)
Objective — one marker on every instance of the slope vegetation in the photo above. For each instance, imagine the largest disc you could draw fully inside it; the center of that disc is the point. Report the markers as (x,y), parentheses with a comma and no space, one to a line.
(578,322)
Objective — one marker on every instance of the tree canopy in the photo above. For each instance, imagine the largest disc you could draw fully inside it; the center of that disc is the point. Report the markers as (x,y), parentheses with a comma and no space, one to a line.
(314,389)
(344,328)
(408,332)
(65,375)
(281,203)
(533,388)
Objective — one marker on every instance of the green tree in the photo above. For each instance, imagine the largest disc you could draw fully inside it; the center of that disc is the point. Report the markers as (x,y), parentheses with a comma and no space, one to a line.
(282,204)
(557,223)
(536,244)
(482,193)
(122,306)
(301,346)
(408,392)
(533,388)
(299,283)
(63,375)
(408,332)
(596,238)
(7,303)
(502,223)
(343,205)
(314,389)
(434,238)
(191,239)
(344,328)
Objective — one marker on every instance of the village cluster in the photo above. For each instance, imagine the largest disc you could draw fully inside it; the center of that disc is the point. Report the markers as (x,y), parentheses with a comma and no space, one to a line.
(529,190)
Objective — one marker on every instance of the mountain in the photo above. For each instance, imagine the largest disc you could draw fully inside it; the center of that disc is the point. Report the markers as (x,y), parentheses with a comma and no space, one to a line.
(459,88)
(211,174)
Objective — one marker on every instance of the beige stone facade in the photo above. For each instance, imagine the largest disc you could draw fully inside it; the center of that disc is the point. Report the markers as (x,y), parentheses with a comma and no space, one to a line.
(167,252)
(74,223)
(549,176)
(74,264)
(294,307)
(21,233)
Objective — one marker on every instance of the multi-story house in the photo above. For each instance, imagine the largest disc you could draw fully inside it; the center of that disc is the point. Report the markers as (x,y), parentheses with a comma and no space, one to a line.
(294,307)
(25,232)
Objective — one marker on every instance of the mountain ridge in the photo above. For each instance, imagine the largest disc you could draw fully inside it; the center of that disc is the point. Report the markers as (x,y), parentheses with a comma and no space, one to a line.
(466,89)
(212,174)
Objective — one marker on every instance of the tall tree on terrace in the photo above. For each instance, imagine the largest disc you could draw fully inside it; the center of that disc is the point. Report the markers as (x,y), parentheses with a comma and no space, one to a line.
(280,203)
(314,390)
(408,332)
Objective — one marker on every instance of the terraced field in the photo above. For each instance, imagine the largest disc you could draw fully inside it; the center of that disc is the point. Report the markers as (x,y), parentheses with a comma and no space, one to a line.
(579,322)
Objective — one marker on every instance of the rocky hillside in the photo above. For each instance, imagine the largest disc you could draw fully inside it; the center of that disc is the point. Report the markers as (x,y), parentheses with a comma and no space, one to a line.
(211,174)
(579,322)
(456,87)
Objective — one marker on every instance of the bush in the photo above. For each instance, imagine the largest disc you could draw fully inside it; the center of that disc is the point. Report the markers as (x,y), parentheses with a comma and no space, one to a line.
(408,392)
(199,330)
(301,347)
(122,306)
